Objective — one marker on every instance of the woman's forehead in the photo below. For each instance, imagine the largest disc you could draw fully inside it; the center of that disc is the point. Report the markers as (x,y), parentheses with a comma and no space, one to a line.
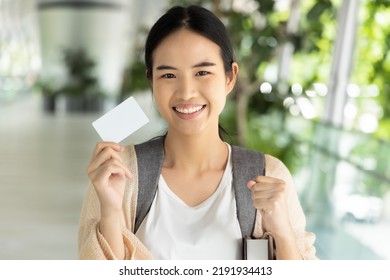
(185,46)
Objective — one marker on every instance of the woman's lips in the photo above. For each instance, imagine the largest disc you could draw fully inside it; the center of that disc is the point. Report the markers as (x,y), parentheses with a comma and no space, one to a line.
(188,112)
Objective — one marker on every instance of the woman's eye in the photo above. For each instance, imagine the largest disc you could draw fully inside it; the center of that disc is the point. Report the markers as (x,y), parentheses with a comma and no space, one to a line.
(202,73)
(168,76)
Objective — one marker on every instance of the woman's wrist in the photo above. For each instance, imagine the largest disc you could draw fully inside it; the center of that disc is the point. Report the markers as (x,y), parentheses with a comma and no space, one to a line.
(287,248)
(111,229)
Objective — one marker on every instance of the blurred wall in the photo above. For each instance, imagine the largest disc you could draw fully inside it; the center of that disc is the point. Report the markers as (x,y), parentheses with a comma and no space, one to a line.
(106,29)
(103,28)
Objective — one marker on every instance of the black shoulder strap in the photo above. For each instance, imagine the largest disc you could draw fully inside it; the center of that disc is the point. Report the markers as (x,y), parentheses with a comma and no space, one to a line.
(150,156)
(247,165)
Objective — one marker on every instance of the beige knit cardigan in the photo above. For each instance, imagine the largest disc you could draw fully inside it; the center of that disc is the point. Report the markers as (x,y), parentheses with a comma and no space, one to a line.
(92,245)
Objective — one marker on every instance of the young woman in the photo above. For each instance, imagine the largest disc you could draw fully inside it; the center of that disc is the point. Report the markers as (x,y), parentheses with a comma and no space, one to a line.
(193,208)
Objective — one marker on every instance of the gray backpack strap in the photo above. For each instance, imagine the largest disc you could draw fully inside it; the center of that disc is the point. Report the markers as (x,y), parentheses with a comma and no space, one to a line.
(150,156)
(246,166)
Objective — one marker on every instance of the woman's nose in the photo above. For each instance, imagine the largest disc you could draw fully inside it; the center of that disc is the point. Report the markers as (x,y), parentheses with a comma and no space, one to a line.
(186,88)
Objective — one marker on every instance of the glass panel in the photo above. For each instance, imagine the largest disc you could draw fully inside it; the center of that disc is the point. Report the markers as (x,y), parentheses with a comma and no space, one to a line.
(344,188)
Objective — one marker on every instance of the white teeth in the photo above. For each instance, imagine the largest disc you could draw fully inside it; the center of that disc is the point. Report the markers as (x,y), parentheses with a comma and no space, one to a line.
(188,110)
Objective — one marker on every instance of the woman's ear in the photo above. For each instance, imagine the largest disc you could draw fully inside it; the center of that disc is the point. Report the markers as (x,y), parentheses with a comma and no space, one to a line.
(232,77)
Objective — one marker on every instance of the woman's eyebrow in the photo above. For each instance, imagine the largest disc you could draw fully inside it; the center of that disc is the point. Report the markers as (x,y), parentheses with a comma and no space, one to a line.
(165,67)
(201,64)
(204,64)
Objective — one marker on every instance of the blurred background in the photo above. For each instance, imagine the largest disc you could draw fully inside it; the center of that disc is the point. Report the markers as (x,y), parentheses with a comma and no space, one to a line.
(313,91)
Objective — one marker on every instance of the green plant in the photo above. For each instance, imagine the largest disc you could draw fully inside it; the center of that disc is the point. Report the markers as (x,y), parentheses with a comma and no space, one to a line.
(46,87)
(81,79)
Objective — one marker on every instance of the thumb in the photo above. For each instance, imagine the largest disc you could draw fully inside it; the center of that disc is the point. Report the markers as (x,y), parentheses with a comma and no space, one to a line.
(250,184)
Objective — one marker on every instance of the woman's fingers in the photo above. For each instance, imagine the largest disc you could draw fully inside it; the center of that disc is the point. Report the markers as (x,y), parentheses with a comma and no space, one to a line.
(263,183)
(269,197)
(102,145)
(108,175)
(105,154)
(267,192)
(109,168)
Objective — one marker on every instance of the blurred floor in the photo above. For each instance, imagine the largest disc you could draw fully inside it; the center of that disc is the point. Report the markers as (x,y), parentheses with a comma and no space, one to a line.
(43,159)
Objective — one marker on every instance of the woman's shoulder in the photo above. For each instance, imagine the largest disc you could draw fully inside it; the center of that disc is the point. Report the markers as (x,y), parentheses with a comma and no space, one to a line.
(274,167)
(273,162)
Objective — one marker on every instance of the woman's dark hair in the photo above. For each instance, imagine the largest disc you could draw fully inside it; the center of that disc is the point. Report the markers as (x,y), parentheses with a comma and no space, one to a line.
(198,20)
(193,18)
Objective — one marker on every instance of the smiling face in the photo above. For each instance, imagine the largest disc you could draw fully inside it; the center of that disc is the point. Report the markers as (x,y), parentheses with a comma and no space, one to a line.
(189,82)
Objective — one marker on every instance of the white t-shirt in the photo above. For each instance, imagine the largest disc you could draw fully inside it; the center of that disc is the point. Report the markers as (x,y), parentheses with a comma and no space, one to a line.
(173,230)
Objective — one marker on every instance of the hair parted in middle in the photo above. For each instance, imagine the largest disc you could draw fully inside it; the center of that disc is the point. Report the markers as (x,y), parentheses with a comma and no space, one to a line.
(193,18)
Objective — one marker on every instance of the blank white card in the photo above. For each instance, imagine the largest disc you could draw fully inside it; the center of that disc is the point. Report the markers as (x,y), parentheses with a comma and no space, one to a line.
(121,121)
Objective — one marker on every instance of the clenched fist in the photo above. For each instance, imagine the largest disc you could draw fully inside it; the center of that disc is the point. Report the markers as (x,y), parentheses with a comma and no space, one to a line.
(269,197)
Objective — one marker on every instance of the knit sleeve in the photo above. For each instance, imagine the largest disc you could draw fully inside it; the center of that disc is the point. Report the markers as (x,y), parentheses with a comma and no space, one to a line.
(305,240)
(91,243)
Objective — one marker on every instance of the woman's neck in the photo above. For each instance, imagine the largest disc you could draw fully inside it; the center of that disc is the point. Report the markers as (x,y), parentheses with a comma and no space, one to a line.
(196,153)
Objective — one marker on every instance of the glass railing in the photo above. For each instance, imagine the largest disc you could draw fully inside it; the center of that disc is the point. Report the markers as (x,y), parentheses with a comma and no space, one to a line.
(343,179)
